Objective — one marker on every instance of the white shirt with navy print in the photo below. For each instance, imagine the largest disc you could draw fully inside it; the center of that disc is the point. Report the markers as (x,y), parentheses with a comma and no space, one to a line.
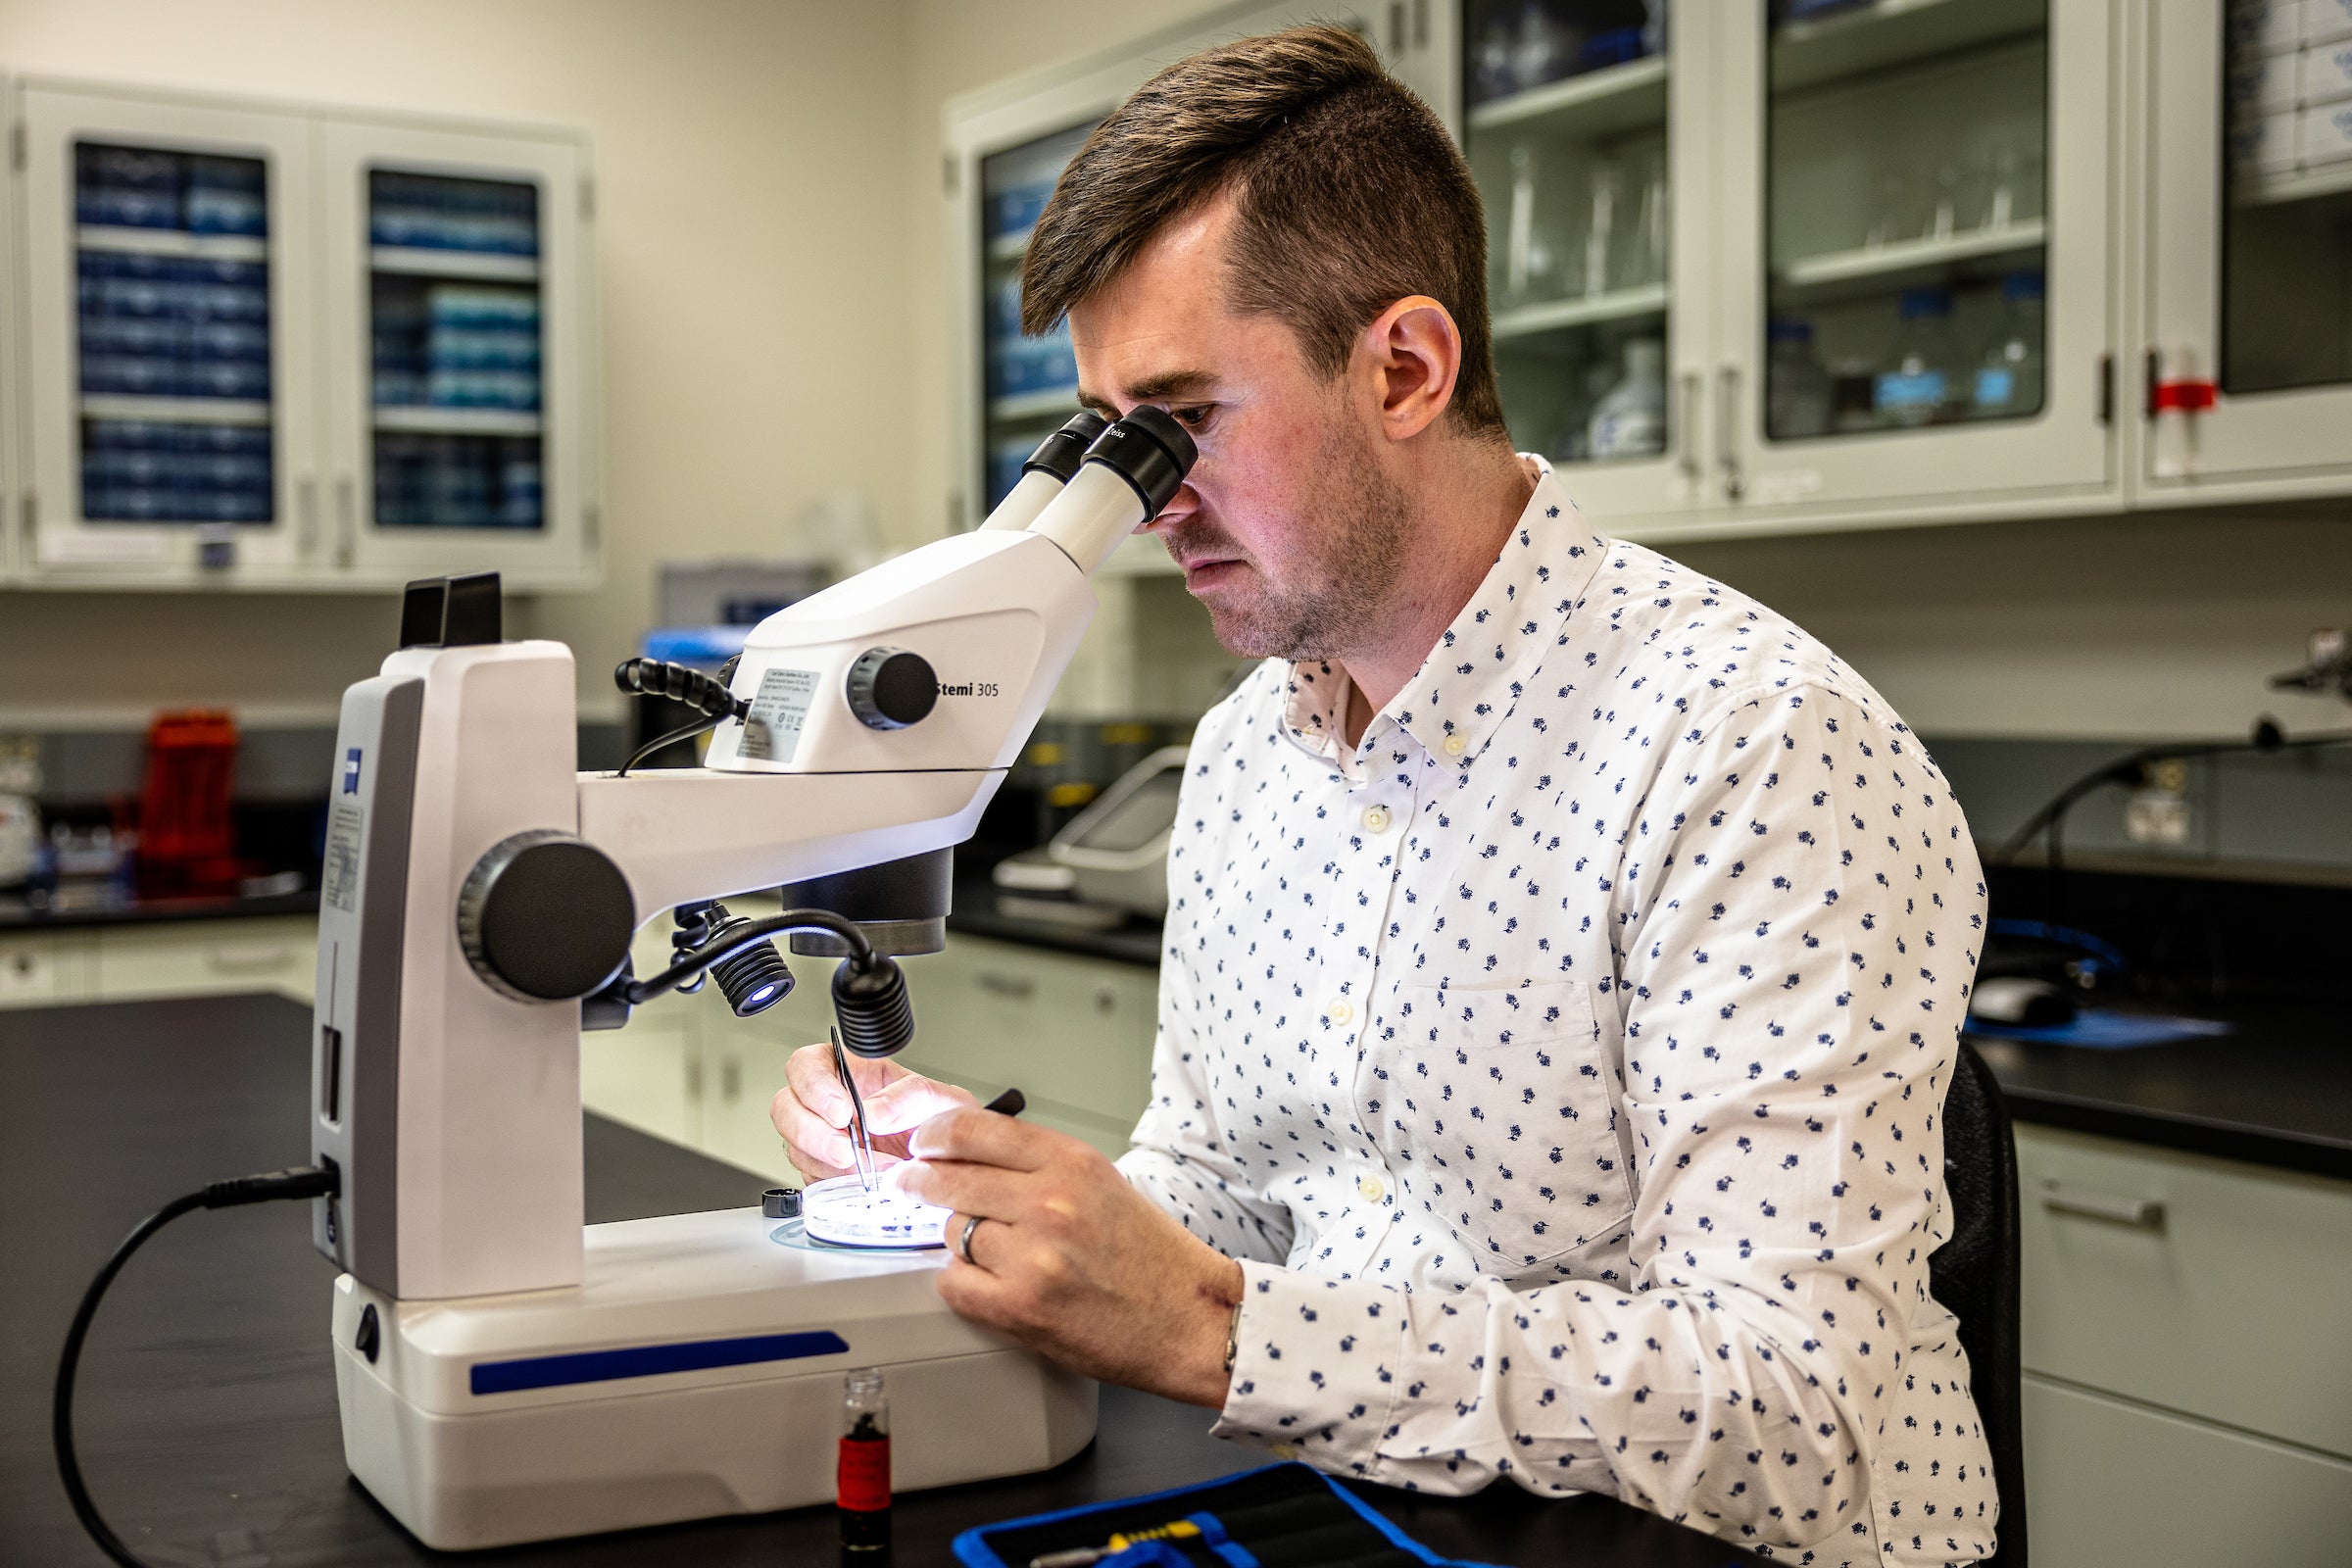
(1564,1065)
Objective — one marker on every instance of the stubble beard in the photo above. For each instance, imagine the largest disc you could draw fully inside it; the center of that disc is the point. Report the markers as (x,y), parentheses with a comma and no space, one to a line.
(1360,524)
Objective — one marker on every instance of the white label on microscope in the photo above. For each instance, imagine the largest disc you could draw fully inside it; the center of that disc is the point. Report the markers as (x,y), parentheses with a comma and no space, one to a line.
(339,876)
(771,731)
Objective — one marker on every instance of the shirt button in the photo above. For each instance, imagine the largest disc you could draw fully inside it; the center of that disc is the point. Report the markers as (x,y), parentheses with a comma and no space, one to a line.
(1376,818)
(1371,1188)
(1336,1010)
(1455,744)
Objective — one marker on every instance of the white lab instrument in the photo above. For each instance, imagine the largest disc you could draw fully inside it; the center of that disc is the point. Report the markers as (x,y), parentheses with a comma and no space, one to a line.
(505,1373)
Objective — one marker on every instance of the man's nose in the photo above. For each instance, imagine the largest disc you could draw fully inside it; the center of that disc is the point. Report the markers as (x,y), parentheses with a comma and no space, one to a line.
(1180,507)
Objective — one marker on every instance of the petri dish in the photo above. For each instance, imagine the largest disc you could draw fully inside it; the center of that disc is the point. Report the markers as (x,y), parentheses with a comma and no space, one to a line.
(839,1212)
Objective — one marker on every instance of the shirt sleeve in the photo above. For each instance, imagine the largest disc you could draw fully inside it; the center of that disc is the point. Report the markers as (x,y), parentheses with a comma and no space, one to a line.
(1178,1157)
(1799,911)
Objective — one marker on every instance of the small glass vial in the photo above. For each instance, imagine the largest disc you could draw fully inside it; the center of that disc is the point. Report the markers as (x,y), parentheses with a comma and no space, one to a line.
(862,1485)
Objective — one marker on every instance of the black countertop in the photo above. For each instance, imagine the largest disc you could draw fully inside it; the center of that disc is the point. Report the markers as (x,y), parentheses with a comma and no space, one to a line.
(206,1408)
(2277,1091)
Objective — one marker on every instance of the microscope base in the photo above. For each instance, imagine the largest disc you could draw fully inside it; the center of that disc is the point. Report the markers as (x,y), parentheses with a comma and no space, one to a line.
(696,1370)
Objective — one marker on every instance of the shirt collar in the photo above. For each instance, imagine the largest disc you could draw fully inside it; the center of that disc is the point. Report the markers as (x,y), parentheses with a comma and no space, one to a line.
(1471,678)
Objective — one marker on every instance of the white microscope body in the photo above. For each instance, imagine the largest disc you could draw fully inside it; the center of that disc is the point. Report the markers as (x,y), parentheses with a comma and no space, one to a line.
(505,1373)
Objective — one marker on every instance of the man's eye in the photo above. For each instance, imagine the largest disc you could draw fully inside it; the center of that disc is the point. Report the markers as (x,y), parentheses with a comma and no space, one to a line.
(1193,417)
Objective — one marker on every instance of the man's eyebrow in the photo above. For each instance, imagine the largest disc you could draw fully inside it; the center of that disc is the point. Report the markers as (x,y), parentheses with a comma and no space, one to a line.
(1174,386)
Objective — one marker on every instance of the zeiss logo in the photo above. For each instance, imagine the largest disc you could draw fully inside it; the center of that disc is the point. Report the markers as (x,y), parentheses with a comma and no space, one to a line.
(351,771)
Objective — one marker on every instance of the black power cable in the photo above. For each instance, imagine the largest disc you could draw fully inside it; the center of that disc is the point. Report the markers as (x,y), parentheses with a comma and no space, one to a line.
(301,1182)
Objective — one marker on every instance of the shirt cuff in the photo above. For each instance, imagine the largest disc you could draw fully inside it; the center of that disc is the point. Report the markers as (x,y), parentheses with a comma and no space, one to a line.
(1315,1368)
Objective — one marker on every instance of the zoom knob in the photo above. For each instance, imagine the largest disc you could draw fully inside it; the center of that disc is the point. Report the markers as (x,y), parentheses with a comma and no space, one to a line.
(545,916)
(891,688)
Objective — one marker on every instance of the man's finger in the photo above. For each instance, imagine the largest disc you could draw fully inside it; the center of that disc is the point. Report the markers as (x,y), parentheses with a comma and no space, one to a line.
(809,1073)
(909,1101)
(989,1190)
(983,1137)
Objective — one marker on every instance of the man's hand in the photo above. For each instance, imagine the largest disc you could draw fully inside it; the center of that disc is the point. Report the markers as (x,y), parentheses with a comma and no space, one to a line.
(811,1111)
(1071,1260)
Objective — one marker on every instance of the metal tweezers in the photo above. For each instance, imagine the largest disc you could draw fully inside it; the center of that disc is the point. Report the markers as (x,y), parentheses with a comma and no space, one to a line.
(861,1144)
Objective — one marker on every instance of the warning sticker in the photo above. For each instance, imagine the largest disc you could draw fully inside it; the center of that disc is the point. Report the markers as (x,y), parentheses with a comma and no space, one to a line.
(339,876)
(771,731)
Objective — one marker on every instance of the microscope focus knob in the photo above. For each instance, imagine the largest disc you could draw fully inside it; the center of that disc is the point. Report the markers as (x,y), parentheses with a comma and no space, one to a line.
(891,688)
(545,916)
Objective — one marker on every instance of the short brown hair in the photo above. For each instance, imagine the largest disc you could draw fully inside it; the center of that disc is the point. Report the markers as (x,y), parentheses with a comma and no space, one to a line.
(1349,197)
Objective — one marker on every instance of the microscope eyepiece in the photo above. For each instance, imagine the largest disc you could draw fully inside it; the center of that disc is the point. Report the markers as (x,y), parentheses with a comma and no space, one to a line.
(1148,450)
(1062,452)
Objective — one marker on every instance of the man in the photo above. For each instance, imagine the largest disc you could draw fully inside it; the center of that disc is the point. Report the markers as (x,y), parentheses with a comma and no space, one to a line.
(1564,953)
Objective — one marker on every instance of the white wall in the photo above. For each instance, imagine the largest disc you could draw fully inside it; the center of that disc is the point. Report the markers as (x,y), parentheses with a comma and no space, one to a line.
(751,204)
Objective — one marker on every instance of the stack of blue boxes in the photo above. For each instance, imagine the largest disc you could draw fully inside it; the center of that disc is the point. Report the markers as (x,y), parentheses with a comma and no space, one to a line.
(456,481)
(172,326)
(455,346)
(426,211)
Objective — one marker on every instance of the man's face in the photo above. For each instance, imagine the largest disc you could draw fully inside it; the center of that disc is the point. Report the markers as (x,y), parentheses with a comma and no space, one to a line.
(1289,527)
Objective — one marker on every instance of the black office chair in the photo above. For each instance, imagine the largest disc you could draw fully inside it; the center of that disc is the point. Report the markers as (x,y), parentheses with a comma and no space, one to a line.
(1975,1274)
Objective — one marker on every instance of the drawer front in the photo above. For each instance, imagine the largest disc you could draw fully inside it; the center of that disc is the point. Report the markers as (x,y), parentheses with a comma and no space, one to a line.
(39,971)
(209,958)
(2204,1286)
(1074,1034)
(2113,1485)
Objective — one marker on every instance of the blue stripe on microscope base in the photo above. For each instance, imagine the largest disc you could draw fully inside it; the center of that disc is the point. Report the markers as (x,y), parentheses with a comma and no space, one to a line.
(649,1360)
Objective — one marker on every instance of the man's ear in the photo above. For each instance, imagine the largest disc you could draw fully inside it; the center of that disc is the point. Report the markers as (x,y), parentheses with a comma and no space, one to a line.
(1414,352)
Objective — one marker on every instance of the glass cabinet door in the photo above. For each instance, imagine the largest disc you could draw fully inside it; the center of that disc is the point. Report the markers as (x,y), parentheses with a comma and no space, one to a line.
(1029,384)
(457,261)
(2248,381)
(170,424)
(1578,136)
(1918,200)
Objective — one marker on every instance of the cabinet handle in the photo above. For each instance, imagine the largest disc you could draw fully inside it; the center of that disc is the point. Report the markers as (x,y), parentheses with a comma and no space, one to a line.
(1686,425)
(1018,986)
(2145,1213)
(1726,428)
(347,519)
(246,960)
(306,514)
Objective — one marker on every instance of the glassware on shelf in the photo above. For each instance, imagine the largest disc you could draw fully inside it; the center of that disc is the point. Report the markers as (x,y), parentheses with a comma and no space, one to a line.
(1797,395)
(1544,48)
(1927,384)
(2009,372)
(1530,266)
(1631,420)
(1600,228)
(1889,207)
(1941,212)
(1641,254)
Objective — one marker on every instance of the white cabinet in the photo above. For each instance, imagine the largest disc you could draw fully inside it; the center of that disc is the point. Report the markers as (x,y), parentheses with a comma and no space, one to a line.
(1802,266)
(167,958)
(279,346)
(170,366)
(2166,1319)
(2244,388)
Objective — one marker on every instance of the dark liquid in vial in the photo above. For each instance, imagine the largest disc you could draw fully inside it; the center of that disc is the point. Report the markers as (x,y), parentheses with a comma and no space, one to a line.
(863,1492)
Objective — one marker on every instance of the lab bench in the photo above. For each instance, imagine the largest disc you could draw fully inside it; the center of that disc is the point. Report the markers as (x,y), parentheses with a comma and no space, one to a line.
(207,1410)
(181,947)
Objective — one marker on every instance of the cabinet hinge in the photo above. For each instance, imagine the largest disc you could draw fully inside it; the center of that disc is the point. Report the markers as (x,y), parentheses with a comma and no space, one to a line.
(2106,389)
(31,515)
(587,198)
(950,172)
(2151,374)
(16,146)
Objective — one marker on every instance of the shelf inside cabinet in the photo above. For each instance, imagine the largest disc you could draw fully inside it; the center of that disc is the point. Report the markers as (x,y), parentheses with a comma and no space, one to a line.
(1849,43)
(1593,103)
(2301,185)
(188,411)
(1617,305)
(170,242)
(456,422)
(1882,268)
(421,261)
(1045,402)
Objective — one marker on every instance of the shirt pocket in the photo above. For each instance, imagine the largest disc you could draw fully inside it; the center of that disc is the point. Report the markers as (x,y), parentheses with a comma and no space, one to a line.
(1502,1120)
